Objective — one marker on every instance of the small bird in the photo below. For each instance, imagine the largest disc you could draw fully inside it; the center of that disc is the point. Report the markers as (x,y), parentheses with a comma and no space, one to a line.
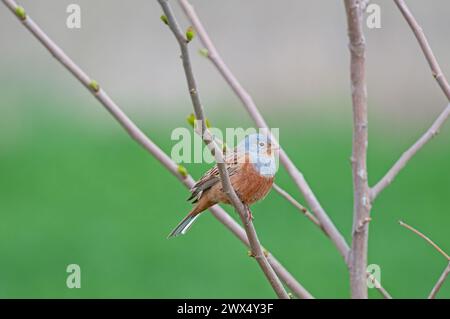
(251,167)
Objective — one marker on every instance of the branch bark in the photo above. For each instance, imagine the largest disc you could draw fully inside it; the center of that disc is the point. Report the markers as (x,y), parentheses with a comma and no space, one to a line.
(361,196)
(298,178)
(257,251)
(443,84)
(144,141)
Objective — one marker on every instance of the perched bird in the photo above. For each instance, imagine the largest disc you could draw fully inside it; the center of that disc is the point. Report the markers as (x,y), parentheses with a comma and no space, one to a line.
(251,167)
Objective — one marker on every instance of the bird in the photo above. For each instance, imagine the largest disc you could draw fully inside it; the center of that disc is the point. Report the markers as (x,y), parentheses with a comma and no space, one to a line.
(251,167)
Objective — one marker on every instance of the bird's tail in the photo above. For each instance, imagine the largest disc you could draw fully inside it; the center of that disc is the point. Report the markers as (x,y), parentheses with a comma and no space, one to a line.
(184,225)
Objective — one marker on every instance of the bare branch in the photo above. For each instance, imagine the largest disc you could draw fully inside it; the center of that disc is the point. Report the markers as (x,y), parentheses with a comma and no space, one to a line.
(444,85)
(361,197)
(443,253)
(408,154)
(440,282)
(254,113)
(143,140)
(425,46)
(446,271)
(297,205)
(225,179)
(378,286)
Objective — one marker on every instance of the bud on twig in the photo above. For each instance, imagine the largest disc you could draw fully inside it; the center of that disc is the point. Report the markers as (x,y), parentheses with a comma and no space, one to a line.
(164,19)
(94,86)
(183,171)
(191,120)
(190,34)
(20,13)
(208,123)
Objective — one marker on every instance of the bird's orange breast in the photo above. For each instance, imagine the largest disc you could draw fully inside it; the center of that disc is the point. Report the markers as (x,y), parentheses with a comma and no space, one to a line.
(249,185)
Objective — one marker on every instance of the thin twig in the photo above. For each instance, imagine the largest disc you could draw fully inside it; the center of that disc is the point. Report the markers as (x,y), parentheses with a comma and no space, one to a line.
(361,197)
(440,282)
(214,56)
(425,46)
(446,271)
(408,154)
(432,243)
(443,84)
(256,248)
(296,204)
(144,141)
(378,286)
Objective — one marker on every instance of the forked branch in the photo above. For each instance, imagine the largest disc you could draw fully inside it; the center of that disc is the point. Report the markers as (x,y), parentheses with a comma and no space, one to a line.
(443,84)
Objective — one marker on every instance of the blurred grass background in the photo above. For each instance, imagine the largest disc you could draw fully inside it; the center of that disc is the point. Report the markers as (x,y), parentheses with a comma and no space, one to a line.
(78,191)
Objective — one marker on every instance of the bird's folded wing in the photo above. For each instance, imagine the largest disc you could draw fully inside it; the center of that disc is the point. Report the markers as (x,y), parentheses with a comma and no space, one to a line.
(212,177)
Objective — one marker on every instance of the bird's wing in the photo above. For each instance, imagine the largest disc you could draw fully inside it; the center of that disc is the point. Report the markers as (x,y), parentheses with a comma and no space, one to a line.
(212,177)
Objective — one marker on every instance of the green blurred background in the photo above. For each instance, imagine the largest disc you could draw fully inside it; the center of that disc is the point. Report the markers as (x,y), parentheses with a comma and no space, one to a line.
(74,188)
(74,192)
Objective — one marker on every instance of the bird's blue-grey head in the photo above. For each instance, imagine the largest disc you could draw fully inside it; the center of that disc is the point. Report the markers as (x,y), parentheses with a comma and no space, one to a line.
(261,152)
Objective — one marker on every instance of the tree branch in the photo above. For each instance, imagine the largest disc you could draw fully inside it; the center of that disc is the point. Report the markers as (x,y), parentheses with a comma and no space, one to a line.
(142,139)
(378,286)
(425,46)
(443,84)
(297,205)
(256,248)
(446,271)
(440,282)
(432,243)
(361,197)
(408,154)
(214,56)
